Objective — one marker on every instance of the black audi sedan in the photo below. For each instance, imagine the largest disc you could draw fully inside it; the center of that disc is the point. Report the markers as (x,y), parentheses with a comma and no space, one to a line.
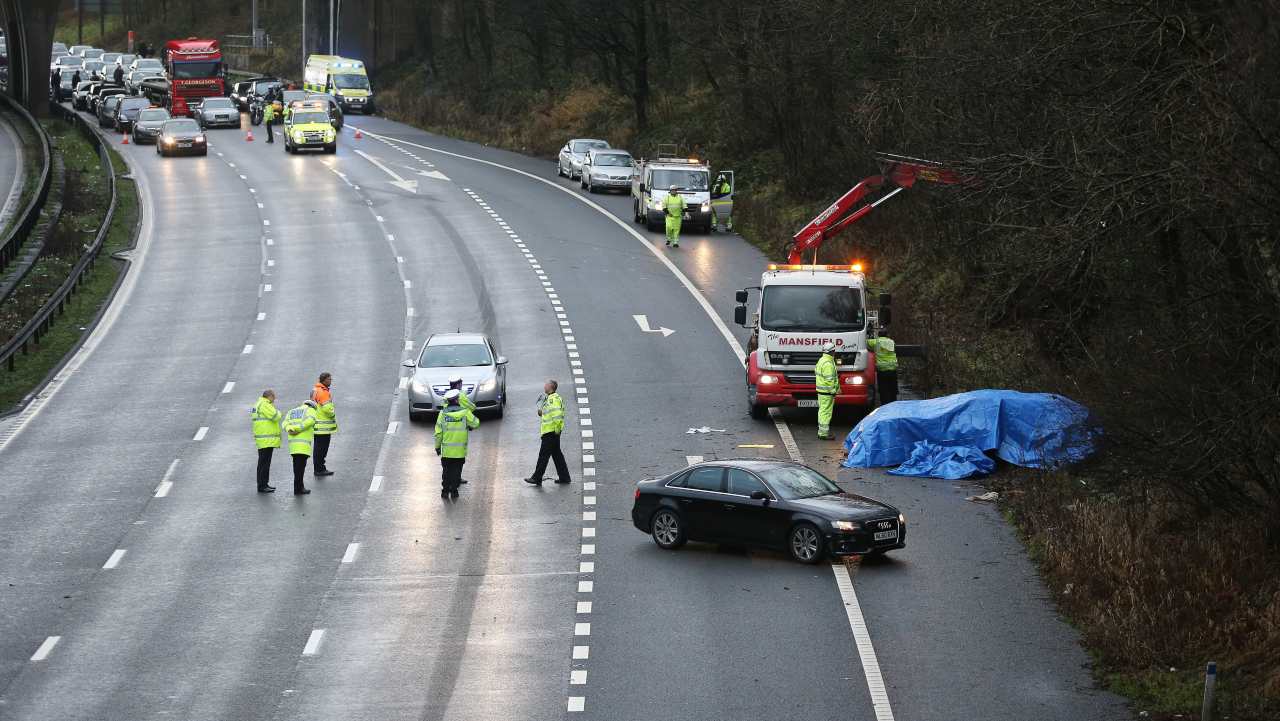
(764,502)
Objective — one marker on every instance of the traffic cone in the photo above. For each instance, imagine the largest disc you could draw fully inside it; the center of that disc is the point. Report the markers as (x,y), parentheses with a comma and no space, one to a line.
(359,134)
(248,136)
(124,139)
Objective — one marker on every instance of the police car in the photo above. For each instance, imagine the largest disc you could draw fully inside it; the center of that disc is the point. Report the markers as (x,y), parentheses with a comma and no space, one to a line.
(308,125)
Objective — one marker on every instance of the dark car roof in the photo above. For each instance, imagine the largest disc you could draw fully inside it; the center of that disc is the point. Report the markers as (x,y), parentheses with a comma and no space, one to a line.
(752,464)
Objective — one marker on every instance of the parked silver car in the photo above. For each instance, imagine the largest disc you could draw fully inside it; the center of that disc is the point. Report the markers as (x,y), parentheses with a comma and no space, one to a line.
(469,356)
(573,153)
(216,112)
(607,169)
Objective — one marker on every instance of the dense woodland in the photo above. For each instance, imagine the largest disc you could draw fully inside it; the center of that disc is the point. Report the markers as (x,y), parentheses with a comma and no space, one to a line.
(1118,245)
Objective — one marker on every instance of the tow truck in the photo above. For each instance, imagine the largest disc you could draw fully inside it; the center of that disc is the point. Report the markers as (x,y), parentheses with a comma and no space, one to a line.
(653,180)
(195,72)
(803,306)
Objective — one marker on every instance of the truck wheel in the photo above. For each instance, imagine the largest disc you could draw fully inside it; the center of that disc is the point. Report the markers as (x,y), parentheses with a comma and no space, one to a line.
(652,226)
(757,411)
(635,210)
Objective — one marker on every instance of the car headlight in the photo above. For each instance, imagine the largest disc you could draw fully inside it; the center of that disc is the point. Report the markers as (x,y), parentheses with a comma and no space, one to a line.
(846,525)
(488,385)
(902,520)
(420,389)
(655,204)
(329,135)
(200,139)
(706,206)
(767,379)
(168,141)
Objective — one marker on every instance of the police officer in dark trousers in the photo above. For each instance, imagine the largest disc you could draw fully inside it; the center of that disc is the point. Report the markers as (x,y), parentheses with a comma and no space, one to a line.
(551,410)
(266,436)
(453,428)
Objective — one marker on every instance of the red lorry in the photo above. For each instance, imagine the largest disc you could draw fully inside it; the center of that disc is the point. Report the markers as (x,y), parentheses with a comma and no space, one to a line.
(195,71)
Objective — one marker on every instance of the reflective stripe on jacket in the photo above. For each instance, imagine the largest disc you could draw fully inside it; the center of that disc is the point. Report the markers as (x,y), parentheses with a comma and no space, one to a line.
(552,415)
(453,427)
(826,378)
(266,424)
(886,358)
(302,420)
(326,419)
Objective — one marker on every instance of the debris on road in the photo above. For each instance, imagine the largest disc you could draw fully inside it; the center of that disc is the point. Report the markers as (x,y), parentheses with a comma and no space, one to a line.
(705,429)
(989,497)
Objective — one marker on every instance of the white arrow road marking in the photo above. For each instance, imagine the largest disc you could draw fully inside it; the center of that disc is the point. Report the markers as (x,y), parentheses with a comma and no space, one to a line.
(399,182)
(433,174)
(643,322)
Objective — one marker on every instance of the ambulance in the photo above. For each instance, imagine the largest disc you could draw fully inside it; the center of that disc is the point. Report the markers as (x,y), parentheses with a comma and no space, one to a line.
(343,78)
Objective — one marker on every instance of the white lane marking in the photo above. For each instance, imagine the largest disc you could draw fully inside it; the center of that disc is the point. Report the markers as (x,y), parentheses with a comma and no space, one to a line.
(260,205)
(585,586)
(376,484)
(866,652)
(243,177)
(231,164)
(262,316)
(408,284)
(586,412)
(266,288)
(313,642)
(589,532)
(252,190)
(589,472)
(408,345)
(588,446)
(200,434)
(270,242)
(642,320)
(582,629)
(392,427)
(399,258)
(588,459)
(379,218)
(587,567)
(588,549)
(266,222)
(584,607)
(584,421)
(588,515)
(581,653)
(46,648)
(229,386)
(577,703)
(589,486)
(350,555)
(693,460)
(409,312)
(578,678)
(116,557)
(247,349)
(588,500)
(163,489)
(271,263)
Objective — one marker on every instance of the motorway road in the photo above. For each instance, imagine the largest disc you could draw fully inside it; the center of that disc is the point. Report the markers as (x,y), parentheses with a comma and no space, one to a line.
(11,173)
(141,577)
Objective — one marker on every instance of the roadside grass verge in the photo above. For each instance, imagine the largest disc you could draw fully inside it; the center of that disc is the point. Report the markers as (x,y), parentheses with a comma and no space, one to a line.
(1155,590)
(85,206)
(30,168)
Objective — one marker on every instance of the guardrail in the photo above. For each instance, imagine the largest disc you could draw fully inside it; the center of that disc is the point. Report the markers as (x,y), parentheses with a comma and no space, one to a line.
(12,242)
(30,333)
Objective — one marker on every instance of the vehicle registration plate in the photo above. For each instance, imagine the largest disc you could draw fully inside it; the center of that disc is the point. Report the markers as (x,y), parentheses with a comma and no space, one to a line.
(807,403)
(886,535)
(184,145)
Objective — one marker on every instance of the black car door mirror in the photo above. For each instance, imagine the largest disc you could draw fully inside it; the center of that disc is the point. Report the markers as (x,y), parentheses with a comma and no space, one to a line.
(740,315)
(759,496)
(740,296)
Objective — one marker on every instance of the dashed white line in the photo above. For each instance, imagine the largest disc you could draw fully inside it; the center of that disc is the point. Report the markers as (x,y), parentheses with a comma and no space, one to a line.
(693,460)
(313,642)
(46,648)
(229,387)
(588,471)
(392,427)
(582,629)
(578,677)
(585,586)
(584,607)
(262,316)
(586,567)
(116,557)
(350,555)
(376,484)
(266,288)
(588,500)
(588,549)
(247,349)
(266,222)
(577,704)
(581,653)
(199,436)
(589,532)
(163,489)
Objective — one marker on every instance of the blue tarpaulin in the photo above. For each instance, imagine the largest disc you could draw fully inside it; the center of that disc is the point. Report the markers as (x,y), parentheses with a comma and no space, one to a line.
(1035,430)
(949,462)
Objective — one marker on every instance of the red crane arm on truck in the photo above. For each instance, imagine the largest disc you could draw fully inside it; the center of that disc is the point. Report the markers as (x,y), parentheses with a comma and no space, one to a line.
(897,173)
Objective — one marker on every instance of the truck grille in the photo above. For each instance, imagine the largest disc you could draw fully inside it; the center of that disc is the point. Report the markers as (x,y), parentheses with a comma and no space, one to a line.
(796,358)
(806,379)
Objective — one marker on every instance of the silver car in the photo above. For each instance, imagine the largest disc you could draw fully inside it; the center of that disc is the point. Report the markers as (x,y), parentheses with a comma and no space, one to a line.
(147,127)
(573,153)
(468,355)
(607,169)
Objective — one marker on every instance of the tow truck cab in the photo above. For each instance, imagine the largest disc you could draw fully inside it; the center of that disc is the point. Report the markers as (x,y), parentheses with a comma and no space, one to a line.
(800,308)
(652,183)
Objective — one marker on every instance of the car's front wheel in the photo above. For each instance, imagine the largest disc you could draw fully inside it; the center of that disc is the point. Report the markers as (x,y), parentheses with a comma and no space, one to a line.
(805,543)
(668,530)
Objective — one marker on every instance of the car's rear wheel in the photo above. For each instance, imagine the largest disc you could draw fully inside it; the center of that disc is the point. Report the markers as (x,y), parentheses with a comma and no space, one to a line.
(805,543)
(668,530)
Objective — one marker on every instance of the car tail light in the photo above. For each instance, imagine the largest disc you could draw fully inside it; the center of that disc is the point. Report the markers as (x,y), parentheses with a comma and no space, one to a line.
(637,494)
